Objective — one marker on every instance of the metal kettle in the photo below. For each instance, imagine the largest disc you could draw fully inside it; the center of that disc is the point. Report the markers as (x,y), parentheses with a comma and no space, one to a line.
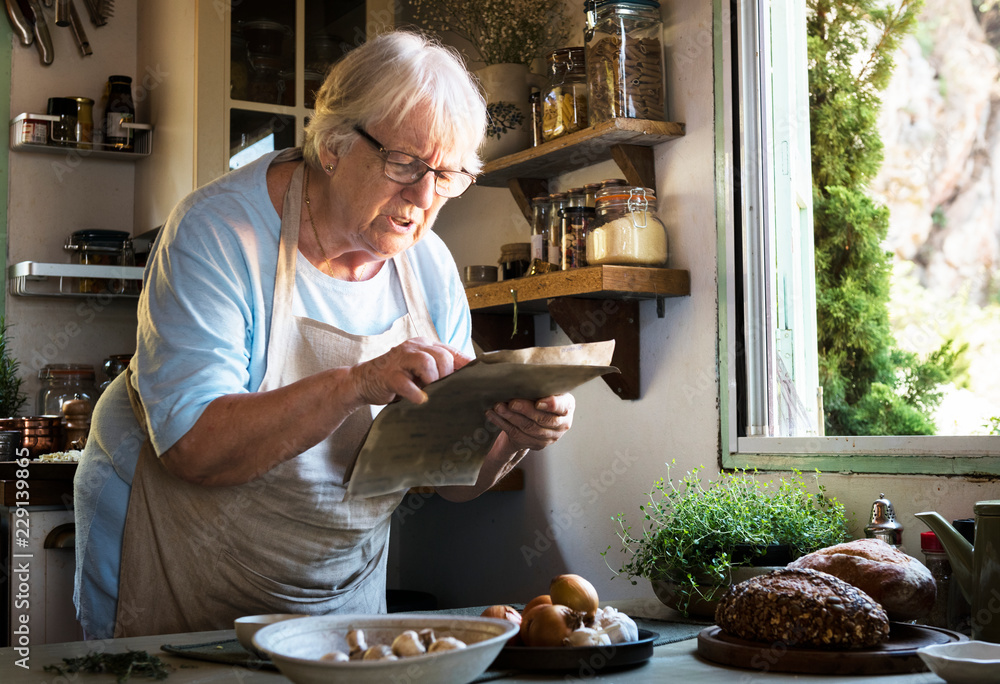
(976,567)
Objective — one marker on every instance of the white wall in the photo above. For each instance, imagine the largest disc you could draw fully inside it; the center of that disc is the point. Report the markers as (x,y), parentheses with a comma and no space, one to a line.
(51,196)
(505,547)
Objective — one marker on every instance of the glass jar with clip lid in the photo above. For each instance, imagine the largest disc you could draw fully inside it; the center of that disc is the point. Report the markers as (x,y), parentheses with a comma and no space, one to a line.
(627,230)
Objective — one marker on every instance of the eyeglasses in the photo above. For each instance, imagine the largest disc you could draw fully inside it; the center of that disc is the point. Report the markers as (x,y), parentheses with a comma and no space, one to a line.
(407,169)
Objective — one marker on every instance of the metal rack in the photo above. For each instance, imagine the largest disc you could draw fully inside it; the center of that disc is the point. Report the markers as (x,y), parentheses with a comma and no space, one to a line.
(35,279)
(143,141)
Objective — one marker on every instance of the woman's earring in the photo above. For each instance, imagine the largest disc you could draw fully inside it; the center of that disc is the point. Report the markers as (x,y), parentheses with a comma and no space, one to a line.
(329,168)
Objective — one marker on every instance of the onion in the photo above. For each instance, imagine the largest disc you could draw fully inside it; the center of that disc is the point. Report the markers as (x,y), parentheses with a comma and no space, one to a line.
(576,592)
(507,613)
(548,625)
(542,600)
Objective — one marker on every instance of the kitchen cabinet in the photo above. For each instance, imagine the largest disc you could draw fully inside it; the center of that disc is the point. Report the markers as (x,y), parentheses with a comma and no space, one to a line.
(252,86)
(590,304)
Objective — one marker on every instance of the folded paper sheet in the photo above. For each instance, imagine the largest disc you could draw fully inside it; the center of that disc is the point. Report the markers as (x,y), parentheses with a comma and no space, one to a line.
(444,440)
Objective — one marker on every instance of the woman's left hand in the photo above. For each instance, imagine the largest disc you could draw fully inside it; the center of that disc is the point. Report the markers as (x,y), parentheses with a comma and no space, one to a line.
(534,425)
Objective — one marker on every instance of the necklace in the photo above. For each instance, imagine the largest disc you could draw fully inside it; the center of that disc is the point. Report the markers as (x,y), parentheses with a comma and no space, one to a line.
(319,243)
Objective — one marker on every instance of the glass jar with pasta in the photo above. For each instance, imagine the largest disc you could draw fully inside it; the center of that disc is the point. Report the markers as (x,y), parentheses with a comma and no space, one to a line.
(564,103)
(624,55)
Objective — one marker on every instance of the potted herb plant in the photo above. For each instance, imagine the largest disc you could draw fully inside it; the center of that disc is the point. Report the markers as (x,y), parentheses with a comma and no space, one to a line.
(11,398)
(696,539)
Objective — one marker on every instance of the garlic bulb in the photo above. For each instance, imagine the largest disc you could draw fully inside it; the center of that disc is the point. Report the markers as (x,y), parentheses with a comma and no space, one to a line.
(446,644)
(587,636)
(408,644)
(335,657)
(379,652)
(356,641)
(618,626)
(426,637)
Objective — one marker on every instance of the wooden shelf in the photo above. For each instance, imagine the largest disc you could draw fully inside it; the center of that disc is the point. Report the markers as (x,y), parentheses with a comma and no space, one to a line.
(593,282)
(577,150)
(591,304)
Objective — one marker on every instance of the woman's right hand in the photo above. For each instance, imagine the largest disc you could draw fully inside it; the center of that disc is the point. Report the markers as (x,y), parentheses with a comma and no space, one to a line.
(404,370)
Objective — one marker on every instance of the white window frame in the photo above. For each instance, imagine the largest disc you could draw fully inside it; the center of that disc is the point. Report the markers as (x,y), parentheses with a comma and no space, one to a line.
(751,446)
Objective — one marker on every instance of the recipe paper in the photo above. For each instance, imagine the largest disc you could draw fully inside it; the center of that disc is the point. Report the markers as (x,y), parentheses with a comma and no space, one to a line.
(444,440)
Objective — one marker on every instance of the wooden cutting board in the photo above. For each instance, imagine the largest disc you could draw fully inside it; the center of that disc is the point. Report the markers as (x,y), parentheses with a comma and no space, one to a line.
(896,655)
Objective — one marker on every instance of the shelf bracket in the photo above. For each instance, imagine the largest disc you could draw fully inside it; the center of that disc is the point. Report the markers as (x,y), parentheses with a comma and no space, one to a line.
(523,189)
(598,320)
(661,307)
(636,162)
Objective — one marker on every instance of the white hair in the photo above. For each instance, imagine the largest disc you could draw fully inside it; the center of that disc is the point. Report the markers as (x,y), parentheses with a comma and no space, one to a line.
(384,80)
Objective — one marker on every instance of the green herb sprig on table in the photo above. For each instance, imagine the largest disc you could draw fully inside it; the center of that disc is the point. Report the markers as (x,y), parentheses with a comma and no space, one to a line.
(121,665)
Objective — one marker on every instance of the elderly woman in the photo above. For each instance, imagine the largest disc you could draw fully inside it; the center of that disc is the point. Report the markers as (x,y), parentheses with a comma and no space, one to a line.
(282,303)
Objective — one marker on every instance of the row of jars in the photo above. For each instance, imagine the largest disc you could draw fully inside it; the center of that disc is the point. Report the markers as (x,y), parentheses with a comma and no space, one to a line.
(617,74)
(606,223)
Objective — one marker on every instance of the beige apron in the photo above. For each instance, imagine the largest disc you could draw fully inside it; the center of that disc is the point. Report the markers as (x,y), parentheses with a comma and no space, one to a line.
(194,558)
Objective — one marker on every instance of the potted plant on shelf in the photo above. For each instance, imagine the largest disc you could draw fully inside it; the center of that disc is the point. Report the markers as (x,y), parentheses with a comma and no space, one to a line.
(506,36)
(697,539)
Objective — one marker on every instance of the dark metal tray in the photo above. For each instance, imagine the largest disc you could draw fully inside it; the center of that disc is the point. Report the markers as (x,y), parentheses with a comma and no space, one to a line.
(583,660)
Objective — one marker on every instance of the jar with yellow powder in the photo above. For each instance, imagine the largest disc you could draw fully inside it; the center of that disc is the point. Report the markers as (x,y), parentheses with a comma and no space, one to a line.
(626,230)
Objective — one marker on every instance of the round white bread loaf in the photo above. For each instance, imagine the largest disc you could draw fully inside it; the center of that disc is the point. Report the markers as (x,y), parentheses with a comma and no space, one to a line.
(900,583)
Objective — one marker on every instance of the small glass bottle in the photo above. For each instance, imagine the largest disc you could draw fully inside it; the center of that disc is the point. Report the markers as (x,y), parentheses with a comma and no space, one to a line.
(937,562)
(557,201)
(564,102)
(576,220)
(627,230)
(120,110)
(84,122)
(624,56)
(539,228)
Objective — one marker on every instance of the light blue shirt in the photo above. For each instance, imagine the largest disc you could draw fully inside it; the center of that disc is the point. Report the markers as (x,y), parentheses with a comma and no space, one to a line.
(204,318)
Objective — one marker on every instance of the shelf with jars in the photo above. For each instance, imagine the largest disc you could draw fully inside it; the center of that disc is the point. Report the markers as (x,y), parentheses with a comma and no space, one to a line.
(40,133)
(37,279)
(592,303)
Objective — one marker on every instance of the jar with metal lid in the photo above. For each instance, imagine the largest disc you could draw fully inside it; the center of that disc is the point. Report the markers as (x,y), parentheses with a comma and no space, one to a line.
(84,132)
(101,248)
(624,55)
(576,221)
(626,230)
(564,102)
(65,382)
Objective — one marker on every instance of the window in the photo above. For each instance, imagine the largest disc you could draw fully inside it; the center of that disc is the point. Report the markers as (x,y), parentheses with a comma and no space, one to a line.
(768,359)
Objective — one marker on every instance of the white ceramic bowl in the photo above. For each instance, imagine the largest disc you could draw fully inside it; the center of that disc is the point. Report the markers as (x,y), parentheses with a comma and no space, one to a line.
(296,647)
(964,662)
(247,626)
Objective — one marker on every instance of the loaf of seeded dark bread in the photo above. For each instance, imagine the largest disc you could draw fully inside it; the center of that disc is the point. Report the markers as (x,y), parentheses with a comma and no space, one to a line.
(801,608)
(899,582)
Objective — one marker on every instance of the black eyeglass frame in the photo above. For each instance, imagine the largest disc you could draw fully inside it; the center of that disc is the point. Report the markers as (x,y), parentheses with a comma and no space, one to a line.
(384,152)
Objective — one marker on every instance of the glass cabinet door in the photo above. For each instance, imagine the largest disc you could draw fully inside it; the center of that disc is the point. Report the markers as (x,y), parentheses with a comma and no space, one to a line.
(279,54)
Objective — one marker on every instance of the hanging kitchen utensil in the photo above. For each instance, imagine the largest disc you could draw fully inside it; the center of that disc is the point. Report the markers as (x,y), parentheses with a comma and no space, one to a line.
(95,15)
(20,23)
(81,36)
(43,39)
(62,12)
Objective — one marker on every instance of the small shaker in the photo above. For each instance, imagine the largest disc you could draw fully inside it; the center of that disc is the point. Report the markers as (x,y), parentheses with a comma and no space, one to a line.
(883,523)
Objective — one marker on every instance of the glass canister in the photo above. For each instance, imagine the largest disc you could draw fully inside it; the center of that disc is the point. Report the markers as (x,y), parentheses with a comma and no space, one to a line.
(67,386)
(515,258)
(101,248)
(576,220)
(627,230)
(624,55)
(564,103)
(539,228)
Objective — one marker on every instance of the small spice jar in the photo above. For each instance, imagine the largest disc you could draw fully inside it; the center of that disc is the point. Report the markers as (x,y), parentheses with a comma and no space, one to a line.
(84,132)
(63,130)
(515,259)
(557,201)
(624,56)
(626,230)
(564,103)
(936,560)
(577,218)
